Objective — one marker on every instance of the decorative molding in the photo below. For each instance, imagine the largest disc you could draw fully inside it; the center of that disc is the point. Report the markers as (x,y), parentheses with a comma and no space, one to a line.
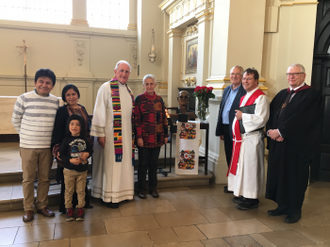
(174,32)
(185,10)
(297,3)
(191,30)
(79,22)
(133,55)
(132,26)
(80,48)
(69,29)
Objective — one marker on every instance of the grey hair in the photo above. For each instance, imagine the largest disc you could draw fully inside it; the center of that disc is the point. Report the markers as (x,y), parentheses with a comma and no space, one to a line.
(149,76)
(302,68)
(125,62)
(237,66)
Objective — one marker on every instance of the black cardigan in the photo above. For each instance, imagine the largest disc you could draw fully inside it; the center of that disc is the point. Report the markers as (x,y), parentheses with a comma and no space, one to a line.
(61,119)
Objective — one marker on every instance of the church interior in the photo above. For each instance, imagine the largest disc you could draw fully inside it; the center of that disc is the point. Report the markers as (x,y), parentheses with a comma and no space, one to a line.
(184,43)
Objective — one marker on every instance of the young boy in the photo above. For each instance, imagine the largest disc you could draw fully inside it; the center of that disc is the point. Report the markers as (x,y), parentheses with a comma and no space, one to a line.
(74,152)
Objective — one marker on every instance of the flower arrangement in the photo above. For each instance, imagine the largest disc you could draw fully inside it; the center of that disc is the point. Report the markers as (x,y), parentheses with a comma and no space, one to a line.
(203,94)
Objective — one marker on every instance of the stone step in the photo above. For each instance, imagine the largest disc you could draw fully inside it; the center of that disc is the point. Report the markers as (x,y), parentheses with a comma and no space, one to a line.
(12,194)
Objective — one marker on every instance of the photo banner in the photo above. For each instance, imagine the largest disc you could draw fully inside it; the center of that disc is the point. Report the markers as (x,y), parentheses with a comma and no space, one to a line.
(187,148)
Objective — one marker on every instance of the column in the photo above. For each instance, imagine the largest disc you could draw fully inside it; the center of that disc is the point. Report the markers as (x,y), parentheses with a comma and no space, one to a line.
(132,22)
(79,13)
(174,65)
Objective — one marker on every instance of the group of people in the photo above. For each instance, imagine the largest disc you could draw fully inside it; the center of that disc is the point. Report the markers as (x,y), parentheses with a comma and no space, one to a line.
(67,133)
(121,121)
(292,122)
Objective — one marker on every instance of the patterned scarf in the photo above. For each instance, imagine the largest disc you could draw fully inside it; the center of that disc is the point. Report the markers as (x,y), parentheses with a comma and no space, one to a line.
(117,129)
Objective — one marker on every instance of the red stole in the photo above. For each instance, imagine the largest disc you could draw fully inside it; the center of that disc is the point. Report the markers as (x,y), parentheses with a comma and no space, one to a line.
(237,138)
(299,89)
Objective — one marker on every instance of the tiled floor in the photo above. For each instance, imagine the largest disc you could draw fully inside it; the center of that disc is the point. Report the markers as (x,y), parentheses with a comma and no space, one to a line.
(186,216)
(182,217)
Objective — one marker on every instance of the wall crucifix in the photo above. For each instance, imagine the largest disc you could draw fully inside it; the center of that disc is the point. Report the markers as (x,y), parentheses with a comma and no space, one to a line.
(24,48)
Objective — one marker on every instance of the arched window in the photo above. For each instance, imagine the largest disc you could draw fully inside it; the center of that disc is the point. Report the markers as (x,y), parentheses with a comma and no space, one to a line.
(113,14)
(108,13)
(46,11)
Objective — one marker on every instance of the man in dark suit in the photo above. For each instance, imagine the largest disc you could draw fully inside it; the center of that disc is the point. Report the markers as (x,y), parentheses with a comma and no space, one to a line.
(229,103)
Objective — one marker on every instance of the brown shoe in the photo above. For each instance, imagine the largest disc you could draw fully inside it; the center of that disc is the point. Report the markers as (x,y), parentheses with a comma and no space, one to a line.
(46,212)
(28,216)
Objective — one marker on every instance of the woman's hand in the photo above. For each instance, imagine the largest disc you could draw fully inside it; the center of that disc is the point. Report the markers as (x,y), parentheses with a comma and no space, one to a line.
(101,141)
(140,142)
(58,156)
(166,140)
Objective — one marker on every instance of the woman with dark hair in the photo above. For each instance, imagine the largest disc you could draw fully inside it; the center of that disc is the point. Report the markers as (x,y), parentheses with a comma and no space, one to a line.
(70,96)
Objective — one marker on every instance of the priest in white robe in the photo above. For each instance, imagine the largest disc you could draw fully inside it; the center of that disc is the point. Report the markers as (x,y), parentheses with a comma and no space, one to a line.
(246,171)
(113,171)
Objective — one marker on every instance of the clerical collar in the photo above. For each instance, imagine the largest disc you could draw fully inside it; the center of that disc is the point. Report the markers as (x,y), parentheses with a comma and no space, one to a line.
(295,89)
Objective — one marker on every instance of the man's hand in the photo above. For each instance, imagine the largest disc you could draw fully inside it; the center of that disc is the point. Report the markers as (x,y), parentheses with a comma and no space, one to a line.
(279,139)
(140,142)
(238,114)
(101,141)
(274,134)
(166,140)
(222,137)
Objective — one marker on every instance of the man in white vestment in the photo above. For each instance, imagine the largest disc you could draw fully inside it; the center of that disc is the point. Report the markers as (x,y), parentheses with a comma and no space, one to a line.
(246,170)
(113,170)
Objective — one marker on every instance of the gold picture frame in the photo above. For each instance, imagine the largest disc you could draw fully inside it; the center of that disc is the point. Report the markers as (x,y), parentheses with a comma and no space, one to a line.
(191,56)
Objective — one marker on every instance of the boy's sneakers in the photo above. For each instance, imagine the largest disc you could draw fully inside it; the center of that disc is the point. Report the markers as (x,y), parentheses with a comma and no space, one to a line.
(80,214)
(70,214)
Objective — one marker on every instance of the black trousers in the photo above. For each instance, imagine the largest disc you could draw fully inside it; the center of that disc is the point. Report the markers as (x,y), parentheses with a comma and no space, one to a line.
(228,142)
(148,158)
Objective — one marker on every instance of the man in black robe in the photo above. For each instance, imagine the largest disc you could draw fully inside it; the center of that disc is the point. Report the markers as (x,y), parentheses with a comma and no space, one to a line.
(294,137)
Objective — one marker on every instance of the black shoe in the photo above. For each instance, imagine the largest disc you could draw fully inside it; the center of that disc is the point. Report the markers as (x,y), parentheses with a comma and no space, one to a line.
(277,212)
(225,189)
(246,204)
(88,206)
(112,205)
(237,199)
(142,195)
(292,218)
(154,193)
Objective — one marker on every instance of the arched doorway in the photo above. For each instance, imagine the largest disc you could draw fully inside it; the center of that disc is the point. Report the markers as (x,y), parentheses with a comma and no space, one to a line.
(321,81)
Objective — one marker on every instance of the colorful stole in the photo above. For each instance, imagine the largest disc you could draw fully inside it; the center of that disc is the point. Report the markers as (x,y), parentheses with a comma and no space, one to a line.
(237,138)
(117,129)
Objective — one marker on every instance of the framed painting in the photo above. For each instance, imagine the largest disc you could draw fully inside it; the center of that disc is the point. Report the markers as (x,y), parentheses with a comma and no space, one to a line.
(191,56)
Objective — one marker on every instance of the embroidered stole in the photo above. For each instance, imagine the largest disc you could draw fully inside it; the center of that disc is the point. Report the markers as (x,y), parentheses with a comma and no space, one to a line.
(237,138)
(117,126)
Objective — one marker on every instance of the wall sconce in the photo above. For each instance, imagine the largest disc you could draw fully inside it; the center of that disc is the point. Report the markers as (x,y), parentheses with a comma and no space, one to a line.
(152,55)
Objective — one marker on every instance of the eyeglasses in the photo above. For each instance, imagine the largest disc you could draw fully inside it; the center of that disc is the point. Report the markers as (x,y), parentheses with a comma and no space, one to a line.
(247,79)
(183,97)
(294,74)
(235,74)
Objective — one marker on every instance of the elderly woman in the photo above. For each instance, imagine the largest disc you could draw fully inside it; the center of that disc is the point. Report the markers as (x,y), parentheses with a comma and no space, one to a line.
(70,96)
(151,133)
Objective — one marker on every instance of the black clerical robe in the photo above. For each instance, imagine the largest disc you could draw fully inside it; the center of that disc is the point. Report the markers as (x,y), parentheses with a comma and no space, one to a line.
(288,165)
